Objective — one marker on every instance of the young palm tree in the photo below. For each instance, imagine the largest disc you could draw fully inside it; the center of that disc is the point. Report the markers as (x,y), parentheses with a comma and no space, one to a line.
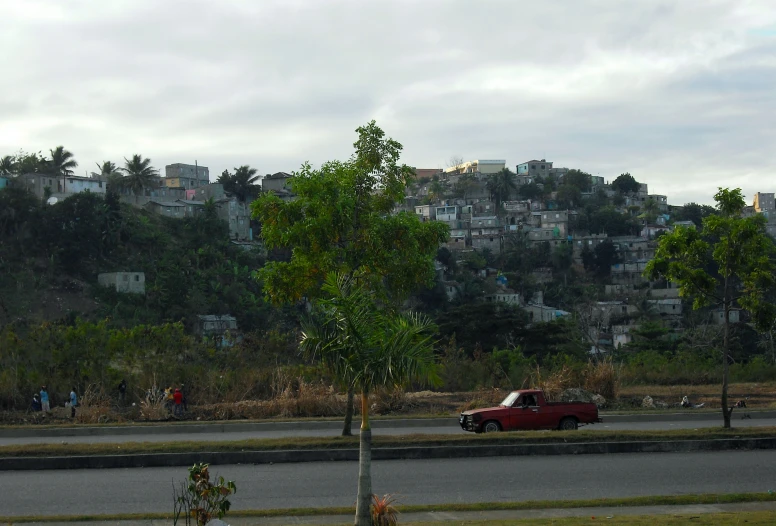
(139,174)
(62,163)
(109,172)
(367,347)
(7,165)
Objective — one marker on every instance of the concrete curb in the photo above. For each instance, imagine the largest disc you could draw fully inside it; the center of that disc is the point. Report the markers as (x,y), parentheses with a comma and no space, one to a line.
(331,455)
(259,427)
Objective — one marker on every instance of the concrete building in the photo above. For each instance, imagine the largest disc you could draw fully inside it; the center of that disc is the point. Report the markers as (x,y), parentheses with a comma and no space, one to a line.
(238,216)
(279,184)
(128,282)
(192,207)
(483,166)
(426,212)
(446,213)
(763,202)
(174,209)
(510,298)
(4,182)
(667,306)
(535,168)
(43,185)
(188,176)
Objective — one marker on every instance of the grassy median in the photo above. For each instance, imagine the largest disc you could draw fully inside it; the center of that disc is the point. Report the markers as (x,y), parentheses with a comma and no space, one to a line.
(339,442)
(610,504)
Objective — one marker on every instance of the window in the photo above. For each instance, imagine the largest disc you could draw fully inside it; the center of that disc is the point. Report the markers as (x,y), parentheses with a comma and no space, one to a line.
(137,277)
(542,167)
(557,216)
(533,167)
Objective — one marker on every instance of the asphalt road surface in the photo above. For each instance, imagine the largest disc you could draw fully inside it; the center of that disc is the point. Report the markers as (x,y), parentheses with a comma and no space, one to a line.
(324,484)
(453,428)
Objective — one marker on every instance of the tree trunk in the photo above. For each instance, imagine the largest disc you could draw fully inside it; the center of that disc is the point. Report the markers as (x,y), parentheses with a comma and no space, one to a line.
(347,429)
(364,500)
(726,411)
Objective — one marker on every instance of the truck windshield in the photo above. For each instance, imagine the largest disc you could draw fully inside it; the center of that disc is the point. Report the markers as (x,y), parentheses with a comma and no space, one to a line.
(510,399)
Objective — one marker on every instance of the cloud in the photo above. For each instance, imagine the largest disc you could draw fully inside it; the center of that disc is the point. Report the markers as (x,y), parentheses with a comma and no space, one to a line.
(677,93)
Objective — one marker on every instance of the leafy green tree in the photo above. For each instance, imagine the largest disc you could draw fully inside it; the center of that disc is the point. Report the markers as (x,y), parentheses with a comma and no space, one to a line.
(569,196)
(604,255)
(466,183)
(138,173)
(729,262)
(579,179)
(242,183)
(371,348)
(694,212)
(608,220)
(28,163)
(501,186)
(625,184)
(342,220)
(530,191)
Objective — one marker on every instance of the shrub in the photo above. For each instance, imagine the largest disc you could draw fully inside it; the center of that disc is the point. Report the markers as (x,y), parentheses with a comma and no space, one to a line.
(201,499)
(602,378)
(384,513)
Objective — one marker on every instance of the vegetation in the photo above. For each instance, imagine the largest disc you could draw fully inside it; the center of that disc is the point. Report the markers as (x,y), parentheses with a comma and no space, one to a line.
(242,183)
(200,500)
(729,263)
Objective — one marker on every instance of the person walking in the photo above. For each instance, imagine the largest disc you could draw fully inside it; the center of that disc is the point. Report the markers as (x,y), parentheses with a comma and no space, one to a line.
(44,400)
(73,403)
(178,400)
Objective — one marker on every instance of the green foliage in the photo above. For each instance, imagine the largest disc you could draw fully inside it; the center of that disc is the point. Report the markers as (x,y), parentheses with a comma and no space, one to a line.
(601,259)
(578,179)
(138,174)
(694,212)
(341,220)
(501,185)
(62,162)
(625,184)
(242,183)
(530,191)
(202,499)
(569,196)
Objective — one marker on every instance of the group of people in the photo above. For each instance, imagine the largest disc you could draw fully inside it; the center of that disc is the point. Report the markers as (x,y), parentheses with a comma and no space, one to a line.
(41,401)
(174,399)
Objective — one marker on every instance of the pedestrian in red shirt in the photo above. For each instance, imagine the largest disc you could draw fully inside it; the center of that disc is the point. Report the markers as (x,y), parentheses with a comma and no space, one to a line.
(177,398)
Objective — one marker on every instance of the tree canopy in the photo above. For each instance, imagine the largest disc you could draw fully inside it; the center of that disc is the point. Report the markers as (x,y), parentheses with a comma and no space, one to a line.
(625,184)
(342,220)
(728,263)
(242,183)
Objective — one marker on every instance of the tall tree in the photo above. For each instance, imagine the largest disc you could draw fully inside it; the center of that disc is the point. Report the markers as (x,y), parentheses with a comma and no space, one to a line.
(61,164)
(501,185)
(138,173)
(694,212)
(729,262)
(109,172)
(625,184)
(242,183)
(371,348)
(342,220)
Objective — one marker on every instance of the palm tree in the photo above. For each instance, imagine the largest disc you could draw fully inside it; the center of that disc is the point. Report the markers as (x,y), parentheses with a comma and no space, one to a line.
(108,172)
(7,165)
(501,185)
(62,163)
(244,182)
(139,174)
(367,347)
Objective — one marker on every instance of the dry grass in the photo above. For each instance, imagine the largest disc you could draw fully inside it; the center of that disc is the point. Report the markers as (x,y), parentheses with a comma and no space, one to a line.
(483,398)
(555,383)
(602,377)
(94,407)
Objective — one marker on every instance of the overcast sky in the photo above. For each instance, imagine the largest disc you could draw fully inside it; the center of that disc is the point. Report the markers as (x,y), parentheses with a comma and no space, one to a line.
(682,94)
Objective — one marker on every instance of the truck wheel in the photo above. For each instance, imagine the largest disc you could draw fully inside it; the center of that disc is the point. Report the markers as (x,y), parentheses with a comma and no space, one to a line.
(568,424)
(491,426)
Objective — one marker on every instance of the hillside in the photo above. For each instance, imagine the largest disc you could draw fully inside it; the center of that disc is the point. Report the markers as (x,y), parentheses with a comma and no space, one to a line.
(50,257)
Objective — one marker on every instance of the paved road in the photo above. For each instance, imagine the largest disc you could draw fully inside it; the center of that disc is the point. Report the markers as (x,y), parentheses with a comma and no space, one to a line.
(453,428)
(413,481)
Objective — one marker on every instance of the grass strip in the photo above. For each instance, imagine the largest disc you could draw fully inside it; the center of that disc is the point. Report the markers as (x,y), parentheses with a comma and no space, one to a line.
(403,441)
(658,500)
(751,518)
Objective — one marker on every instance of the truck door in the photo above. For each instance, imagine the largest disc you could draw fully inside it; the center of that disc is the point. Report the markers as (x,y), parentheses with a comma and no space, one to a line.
(525,413)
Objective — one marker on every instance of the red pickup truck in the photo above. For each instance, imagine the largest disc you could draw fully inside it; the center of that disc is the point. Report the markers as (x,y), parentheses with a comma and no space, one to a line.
(524,410)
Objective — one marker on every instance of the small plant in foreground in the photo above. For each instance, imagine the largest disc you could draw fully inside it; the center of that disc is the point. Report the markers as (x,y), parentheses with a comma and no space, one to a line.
(200,499)
(384,512)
